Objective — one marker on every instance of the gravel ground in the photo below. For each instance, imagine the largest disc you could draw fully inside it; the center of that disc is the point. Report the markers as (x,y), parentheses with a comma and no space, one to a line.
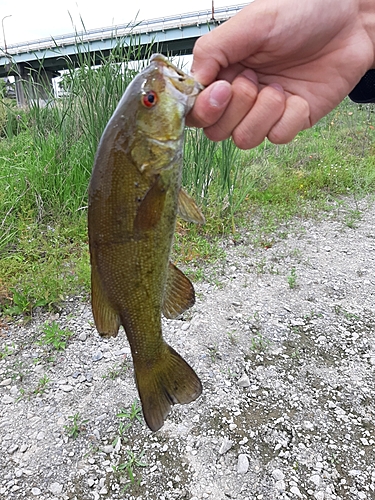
(283,340)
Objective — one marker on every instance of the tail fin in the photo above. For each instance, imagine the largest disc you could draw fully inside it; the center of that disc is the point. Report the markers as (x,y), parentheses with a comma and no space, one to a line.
(169,381)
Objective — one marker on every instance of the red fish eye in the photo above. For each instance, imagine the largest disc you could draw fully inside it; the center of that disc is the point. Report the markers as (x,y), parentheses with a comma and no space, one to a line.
(149,99)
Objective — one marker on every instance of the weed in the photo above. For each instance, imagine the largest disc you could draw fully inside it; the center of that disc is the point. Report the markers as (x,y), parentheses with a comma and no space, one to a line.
(76,427)
(292,278)
(214,353)
(348,315)
(117,371)
(42,385)
(129,466)
(21,304)
(55,336)
(6,352)
(312,315)
(259,343)
(133,414)
(352,218)
(232,337)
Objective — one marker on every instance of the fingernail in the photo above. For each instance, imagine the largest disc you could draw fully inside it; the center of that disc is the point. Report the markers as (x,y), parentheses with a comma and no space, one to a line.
(277,86)
(220,94)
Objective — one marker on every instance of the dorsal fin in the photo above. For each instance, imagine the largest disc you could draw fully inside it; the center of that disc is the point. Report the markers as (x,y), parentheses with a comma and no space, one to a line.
(188,209)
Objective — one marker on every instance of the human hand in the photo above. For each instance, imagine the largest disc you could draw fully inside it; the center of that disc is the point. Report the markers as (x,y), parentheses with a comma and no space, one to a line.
(277,67)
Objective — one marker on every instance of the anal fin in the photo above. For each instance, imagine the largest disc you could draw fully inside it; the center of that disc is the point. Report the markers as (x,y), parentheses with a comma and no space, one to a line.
(107,320)
(179,293)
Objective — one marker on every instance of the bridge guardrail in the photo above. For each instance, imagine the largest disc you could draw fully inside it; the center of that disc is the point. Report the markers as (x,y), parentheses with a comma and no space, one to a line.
(118,31)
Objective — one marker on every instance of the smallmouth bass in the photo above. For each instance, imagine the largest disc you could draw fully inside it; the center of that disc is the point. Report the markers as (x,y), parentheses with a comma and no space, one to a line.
(134,196)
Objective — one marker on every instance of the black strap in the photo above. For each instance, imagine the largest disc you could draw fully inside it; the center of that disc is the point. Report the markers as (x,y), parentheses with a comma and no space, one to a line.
(364,91)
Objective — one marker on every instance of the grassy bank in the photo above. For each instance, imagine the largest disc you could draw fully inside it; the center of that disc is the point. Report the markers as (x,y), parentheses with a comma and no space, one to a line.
(46,156)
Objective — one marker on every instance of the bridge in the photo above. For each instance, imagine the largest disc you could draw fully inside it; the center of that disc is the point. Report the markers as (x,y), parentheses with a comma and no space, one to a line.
(35,63)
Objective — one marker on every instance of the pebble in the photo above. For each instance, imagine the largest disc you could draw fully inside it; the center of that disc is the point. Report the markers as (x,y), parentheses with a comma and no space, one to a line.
(6,382)
(242,464)
(278,474)
(97,356)
(319,495)
(295,491)
(315,478)
(226,445)
(244,381)
(36,491)
(66,387)
(280,485)
(82,336)
(56,488)
(108,449)
(7,400)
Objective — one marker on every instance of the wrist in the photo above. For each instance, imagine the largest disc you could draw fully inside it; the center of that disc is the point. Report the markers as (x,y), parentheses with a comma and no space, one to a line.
(367,16)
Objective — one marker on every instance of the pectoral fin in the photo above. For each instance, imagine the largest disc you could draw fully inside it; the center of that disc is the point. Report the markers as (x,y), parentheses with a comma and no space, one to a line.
(179,293)
(188,209)
(107,320)
(151,207)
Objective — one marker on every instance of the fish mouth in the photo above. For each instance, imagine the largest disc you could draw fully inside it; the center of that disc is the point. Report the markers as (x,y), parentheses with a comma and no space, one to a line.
(181,81)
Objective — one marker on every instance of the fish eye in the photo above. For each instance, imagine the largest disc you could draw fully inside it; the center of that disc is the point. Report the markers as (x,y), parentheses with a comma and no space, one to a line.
(149,99)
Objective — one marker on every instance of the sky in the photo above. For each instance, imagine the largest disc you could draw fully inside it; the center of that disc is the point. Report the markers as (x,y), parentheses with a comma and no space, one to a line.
(33,19)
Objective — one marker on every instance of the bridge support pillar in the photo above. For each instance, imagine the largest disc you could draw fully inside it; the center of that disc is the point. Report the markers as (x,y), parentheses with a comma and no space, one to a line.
(33,85)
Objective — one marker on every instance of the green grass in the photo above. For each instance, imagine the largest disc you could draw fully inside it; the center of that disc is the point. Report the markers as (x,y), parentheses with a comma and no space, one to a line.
(46,156)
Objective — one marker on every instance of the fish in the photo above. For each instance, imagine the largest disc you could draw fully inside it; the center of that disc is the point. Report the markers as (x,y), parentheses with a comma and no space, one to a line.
(135,195)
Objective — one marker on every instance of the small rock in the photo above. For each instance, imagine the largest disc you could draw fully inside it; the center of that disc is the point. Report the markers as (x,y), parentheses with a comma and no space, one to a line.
(5,382)
(295,491)
(225,446)
(7,400)
(315,478)
(36,491)
(242,464)
(108,449)
(56,488)
(244,381)
(278,474)
(66,387)
(97,357)
(82,337)
(280,485)
(90,482)
(319,495)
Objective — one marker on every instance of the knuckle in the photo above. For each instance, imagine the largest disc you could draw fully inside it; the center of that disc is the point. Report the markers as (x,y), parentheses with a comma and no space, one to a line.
(246,89)
(243,140)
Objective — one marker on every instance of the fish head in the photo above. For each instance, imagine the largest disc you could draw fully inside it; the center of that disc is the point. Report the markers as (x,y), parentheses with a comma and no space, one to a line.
(165,95)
